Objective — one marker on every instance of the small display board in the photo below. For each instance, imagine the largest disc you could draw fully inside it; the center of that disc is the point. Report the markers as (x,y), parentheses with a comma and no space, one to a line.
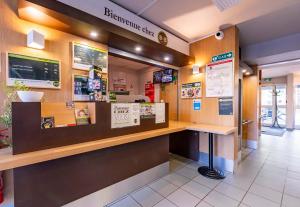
(191,90)
(160,113)
(85,56)
(147,110)
(32,71)
(80,88)
(125,115)
(225,106)
(220,79)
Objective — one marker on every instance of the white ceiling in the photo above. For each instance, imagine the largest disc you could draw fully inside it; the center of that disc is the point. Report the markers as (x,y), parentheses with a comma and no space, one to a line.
(283,69)
(258,20)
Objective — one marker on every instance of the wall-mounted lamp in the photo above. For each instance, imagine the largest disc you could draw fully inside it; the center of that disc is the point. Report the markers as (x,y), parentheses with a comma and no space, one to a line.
(196,69)
(35,40)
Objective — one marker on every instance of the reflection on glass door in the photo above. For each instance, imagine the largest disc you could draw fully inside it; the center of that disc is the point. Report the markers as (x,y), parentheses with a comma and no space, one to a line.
(297,111)
(269,95)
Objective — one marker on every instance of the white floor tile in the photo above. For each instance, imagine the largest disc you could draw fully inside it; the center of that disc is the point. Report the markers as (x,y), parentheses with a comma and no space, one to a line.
(163,187)
(128,202)
(146,197)
(176,179)
(290,201)
(188,172)
(219,200)
(211,183)
(230,191)
(272,183)
(196,189)
(257,201)
(267,193)
(292,187)
(183,199)
(204,204)
(176,165)
(165,203)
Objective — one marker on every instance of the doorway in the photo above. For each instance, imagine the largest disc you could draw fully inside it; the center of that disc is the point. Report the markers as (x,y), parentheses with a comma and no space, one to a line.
(273,106)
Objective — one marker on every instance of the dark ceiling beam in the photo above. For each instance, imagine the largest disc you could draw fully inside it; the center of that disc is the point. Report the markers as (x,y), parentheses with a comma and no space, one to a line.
(80,23)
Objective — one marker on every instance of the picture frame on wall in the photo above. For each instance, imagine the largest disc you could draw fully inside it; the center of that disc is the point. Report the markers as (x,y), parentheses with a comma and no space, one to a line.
(80,90)
(33,72)
(85,56)
(191,90)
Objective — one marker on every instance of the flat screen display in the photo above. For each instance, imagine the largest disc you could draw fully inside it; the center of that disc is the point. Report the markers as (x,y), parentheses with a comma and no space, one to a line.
(167,76)
(157,77)
(33,71)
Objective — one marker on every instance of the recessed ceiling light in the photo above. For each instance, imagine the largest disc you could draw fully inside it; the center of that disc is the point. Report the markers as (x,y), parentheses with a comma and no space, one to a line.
(248,73)
(138,48)
(244,71)
(222,5)
(94,34)
(166,58)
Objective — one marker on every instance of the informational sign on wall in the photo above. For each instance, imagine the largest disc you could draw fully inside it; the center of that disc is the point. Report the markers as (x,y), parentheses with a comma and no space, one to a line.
(191,90)
(125,115)
(220,79)
(223,56)
(225,106)
(33,71)
(80,88)
(85,56)
(197,104)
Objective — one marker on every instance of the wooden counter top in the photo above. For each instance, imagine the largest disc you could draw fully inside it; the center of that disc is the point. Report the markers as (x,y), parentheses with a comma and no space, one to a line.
(9,161)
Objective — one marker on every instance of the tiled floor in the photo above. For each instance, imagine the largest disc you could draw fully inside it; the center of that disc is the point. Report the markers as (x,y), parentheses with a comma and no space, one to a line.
(267,177)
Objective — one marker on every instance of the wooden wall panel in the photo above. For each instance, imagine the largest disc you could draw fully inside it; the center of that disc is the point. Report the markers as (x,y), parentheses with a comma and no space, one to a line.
(203,50)
(58,46)
(251,108)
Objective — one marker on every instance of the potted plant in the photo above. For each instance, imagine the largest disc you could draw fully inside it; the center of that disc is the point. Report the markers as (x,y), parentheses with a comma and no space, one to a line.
(6,116)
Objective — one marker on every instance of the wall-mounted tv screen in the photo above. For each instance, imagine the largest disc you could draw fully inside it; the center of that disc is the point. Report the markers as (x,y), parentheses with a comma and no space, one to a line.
(167,76)
(157,76)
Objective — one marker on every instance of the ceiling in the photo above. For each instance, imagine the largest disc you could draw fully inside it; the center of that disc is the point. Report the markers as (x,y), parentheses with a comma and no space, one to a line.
(258,20)
(121,63)
(283,69)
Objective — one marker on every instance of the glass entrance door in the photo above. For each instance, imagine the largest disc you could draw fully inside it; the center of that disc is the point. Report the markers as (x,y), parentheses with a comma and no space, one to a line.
(269,96)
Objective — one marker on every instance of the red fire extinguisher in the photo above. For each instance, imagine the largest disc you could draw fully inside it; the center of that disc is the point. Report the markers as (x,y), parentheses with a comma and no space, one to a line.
(1,188)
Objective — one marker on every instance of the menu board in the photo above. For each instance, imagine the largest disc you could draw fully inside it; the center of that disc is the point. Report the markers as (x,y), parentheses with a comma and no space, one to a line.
(32,71)
(80,88)
(220,79)
(125,115)
(84,56)
(191,90)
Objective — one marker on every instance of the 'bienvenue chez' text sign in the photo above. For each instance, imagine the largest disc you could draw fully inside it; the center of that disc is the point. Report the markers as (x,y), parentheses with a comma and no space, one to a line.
(121,17)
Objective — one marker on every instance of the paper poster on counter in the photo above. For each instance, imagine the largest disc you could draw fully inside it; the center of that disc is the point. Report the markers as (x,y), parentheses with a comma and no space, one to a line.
(147,110)
(160,113)
(125,115)
(220,79)
(197,104)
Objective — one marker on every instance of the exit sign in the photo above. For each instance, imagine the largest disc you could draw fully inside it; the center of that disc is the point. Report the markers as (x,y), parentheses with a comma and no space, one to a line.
(224,56)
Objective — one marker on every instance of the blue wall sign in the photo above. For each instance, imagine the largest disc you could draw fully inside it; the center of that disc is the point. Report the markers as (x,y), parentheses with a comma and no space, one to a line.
(197,104)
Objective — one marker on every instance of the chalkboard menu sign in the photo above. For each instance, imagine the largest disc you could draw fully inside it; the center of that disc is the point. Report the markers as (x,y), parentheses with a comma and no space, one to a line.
(85,56)
(33,72)
(80,88)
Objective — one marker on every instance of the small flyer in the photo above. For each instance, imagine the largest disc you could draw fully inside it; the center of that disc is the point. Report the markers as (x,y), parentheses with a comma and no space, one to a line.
(160,113)
(147,110)
(125,115)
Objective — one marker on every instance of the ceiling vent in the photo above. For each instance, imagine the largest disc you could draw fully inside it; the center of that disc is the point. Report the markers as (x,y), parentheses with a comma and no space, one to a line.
(222,5)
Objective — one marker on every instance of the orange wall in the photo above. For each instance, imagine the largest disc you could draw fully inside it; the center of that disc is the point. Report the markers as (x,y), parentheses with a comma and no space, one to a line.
(203,50)
(13,33)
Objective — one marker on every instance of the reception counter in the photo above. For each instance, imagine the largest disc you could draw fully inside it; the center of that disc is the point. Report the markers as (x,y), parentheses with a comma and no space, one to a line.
(95,156)
(9,161)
